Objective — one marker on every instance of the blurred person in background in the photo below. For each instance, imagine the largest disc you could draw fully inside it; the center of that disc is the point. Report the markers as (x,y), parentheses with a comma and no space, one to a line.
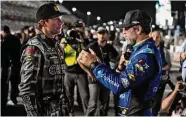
(175,102)
(72,44)
(31,32)
(100,95)
(25,30)
(19,36)
(12,46)
(5,64)
(166,65)
(89,35)
(181,56)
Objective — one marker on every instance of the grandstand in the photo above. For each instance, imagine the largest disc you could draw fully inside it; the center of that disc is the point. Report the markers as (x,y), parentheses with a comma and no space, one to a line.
(17,14)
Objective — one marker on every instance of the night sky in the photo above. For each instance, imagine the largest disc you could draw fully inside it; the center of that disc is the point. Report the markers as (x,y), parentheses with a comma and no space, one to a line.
(109,10)
(116,10)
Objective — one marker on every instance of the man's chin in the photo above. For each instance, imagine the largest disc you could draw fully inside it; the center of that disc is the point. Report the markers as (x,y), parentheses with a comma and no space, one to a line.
(103,41)
(58,32)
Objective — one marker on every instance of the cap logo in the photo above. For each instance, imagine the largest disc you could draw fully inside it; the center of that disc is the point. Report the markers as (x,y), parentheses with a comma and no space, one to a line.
(56,8)
(135,22)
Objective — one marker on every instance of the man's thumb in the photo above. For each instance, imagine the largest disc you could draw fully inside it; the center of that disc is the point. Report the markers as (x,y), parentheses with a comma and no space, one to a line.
(91,51)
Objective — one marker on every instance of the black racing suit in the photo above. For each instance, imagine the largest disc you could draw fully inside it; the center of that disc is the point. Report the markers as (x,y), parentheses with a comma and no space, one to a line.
(42,87)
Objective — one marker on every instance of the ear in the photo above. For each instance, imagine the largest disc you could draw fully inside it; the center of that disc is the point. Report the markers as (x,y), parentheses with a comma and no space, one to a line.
(138,29)
(42,22)
(150,34)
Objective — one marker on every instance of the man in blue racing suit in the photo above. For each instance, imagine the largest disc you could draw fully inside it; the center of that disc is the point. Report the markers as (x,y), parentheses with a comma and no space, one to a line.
(139,81)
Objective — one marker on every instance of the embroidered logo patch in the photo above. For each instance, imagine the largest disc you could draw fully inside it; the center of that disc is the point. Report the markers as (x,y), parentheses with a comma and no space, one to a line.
(131,76)
(56,8)
(30,50)
(52,70)
(29,58)
(139,67)
(55,69)
(125,82)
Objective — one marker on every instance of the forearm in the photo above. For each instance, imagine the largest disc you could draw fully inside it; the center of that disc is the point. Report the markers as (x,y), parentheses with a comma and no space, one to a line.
(180,56)
(107,77)
(166,68)
(183,55)
(167,102)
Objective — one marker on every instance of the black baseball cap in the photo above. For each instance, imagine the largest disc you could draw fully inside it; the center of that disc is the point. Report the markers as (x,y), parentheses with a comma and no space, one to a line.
(136,17)
(5,28)
(101,30)
(48,11)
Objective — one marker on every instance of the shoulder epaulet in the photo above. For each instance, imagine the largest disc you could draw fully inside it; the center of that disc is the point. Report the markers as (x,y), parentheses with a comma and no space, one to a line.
(35,42)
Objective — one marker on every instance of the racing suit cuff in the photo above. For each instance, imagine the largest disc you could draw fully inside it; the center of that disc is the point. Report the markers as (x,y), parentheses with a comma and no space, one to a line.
(30,105)
(93,65)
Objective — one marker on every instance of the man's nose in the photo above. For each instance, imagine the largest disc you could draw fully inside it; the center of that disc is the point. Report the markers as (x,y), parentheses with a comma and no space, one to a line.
(124,31)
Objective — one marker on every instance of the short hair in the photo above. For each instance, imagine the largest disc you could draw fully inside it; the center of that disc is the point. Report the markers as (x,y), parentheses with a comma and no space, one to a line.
(6,29)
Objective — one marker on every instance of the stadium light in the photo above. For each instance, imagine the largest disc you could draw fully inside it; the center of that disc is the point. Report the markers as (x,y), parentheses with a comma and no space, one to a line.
(98,18)
(74,9)
(88,13)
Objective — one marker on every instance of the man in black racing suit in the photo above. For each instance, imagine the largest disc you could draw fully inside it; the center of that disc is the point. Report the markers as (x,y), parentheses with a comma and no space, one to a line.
(42,86)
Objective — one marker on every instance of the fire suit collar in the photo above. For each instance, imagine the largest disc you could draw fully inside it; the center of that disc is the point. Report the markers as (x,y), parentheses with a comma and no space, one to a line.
(139,43)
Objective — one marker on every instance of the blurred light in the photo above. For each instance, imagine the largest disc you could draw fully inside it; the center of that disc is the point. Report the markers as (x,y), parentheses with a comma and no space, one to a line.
(107,27)
(104,24)
(60,1)
(98,18)
(74,9)
(167,37)
(112,28)
(111,22)
(92,31)
(157,6)
(12,17)
(95,26)
(161,26)
(153,26)
(117,29)
(120,23)
(88,13)
(55,0)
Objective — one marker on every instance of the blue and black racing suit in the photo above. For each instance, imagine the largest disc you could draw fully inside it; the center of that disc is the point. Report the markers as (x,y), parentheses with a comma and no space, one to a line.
(135,85)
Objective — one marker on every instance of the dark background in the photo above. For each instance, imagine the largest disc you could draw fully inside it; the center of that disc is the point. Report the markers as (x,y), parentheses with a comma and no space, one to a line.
(116,10)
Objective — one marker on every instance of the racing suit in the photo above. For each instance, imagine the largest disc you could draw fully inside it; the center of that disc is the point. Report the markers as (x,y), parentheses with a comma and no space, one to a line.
(135,85)
(42,85)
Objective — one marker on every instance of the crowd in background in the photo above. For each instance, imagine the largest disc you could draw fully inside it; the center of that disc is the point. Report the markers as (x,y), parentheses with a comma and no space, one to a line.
(91,96)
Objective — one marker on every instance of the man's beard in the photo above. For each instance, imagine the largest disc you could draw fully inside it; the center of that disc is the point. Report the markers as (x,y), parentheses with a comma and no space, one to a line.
(133,42)
(103,42)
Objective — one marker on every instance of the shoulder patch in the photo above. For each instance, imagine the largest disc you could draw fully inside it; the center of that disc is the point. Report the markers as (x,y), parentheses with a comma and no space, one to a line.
(30,50)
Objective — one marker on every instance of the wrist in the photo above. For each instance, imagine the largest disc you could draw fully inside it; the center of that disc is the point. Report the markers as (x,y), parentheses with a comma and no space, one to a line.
(93,65)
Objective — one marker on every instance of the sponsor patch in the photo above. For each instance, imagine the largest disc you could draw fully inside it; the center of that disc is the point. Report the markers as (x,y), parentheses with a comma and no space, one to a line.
(55,69)
(139,67)
(131,76)
(29,58)
(30,50)
(141,61)
(56,8)
(124,111)
(125,82)
(26,98)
